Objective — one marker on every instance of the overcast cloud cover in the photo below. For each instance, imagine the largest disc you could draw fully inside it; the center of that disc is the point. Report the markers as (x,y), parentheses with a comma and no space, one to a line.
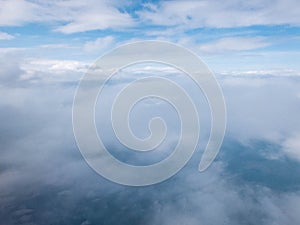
(253,48)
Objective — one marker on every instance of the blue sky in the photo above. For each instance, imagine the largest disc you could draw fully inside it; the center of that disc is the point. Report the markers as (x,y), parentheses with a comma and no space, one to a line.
(229,35)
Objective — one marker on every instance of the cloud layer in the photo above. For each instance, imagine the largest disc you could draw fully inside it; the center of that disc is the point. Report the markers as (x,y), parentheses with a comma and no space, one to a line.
(44,178)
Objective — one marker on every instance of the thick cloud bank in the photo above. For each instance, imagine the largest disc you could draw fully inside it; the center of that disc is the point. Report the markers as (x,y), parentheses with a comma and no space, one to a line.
(44,179)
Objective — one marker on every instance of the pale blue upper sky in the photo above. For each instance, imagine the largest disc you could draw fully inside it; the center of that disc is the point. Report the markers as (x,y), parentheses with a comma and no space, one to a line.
(232,36)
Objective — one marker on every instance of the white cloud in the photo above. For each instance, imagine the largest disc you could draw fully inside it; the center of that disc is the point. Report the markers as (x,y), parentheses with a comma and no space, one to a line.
(95,17)
(56,65)
(51,70)
(99,44)
(261,73)
(37,129)
(11,50)
(163,32)
(10,71)
(77,16)
(16,12)
(262,108)
(234,44)
(292,146)
(221,14)
(54,46)
(6,36)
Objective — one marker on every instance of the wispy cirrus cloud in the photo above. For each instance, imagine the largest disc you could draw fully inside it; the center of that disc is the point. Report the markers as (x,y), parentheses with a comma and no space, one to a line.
(234,44)
(77,16)
(71,16)
(221,14)
(6,36)
(96,15)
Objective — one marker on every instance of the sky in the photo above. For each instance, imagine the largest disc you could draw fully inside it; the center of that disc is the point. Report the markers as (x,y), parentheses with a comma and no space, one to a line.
(252,47)
(250,37)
